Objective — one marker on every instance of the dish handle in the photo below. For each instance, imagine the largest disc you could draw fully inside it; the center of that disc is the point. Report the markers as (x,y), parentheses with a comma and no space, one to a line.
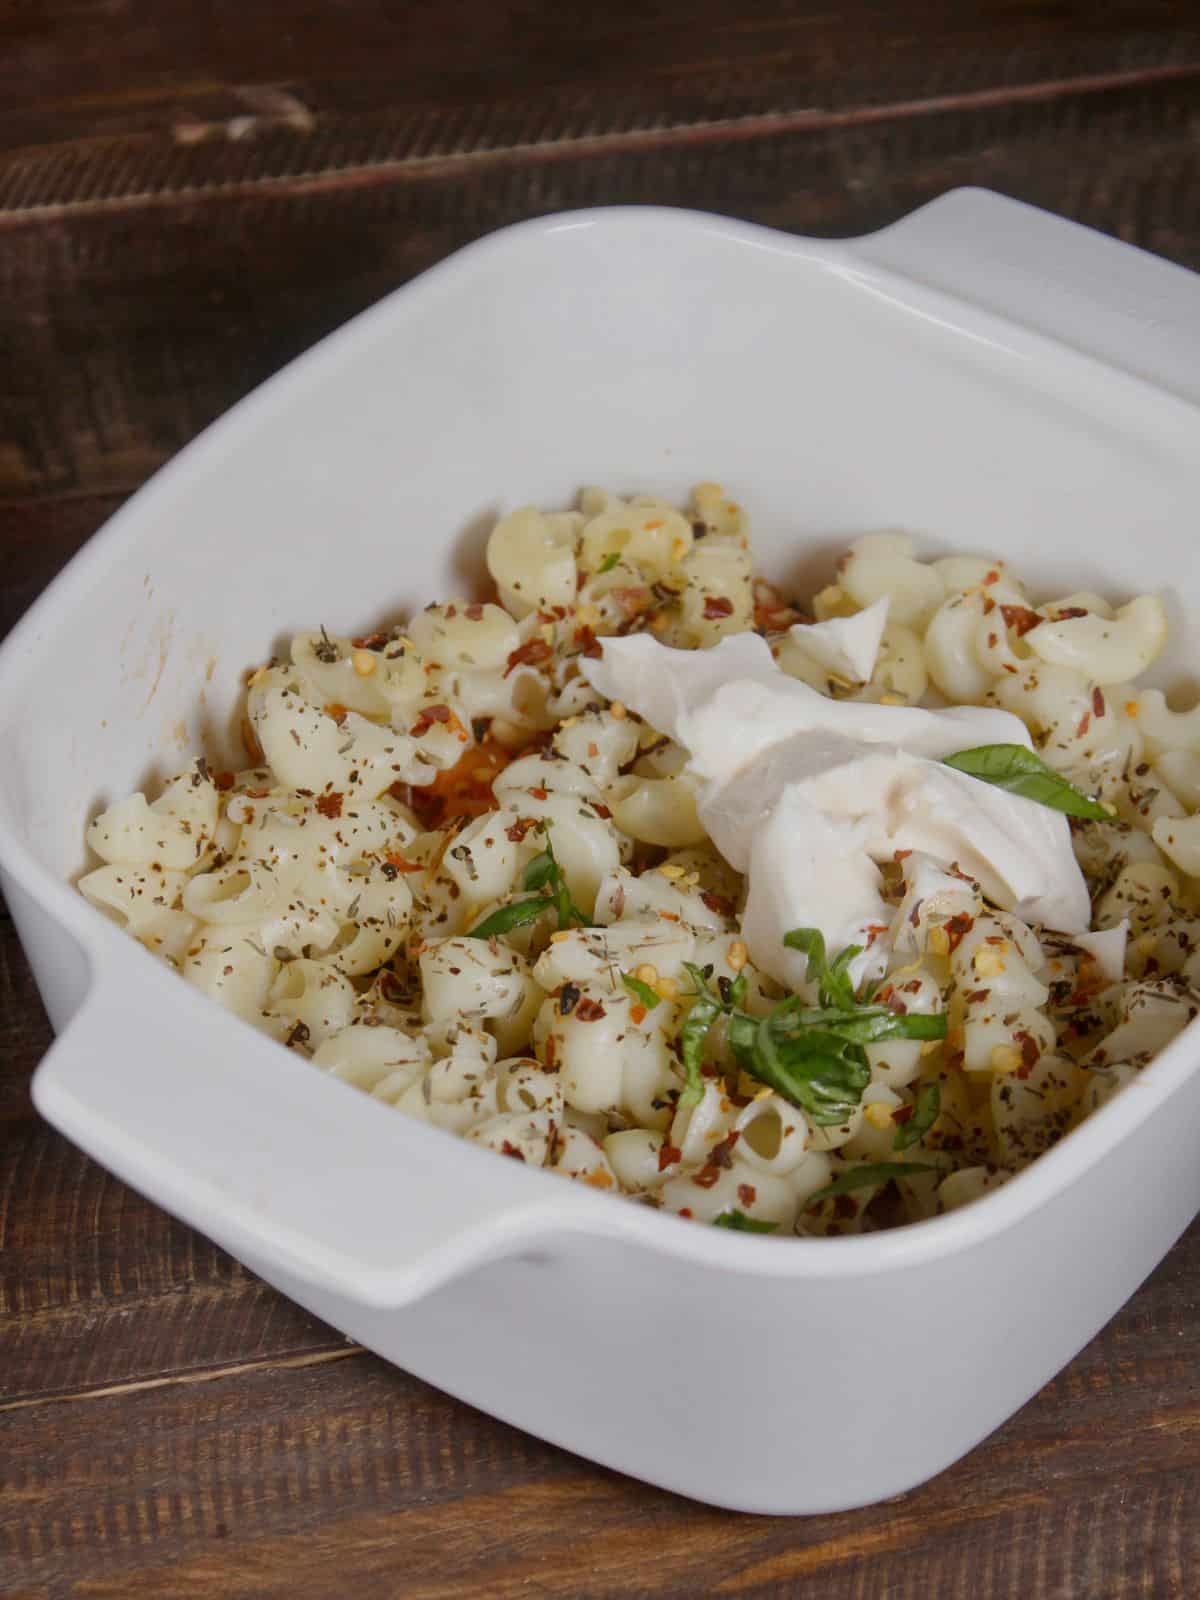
(1100,296)
(300,1174)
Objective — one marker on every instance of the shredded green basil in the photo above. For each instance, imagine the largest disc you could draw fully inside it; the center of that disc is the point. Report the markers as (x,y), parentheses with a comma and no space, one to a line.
(543,874)
(741,1223)
(813,1056)
(641,991)
(925,1114)
(868,1176)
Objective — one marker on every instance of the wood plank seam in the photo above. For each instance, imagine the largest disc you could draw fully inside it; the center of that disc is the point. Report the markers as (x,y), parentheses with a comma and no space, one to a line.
(227,1369)
(22,204)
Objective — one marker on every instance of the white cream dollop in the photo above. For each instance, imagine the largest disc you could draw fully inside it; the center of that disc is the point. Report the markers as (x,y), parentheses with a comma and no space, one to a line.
(805,795)
(847,646)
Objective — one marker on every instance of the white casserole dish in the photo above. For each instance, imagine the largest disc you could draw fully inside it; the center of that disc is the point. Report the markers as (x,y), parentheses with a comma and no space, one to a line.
(982,374)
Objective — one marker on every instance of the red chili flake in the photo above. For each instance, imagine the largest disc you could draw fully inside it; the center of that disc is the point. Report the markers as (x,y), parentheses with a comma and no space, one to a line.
(330,805)
(777,618)
(397,861)
(337,712)
(589,1011)
(1020,619)
(992,577)
(706,1177)
(717,904)
(223,780)
(390,986)
(721,1155)
(989,605)
(875,930)
(717,606)
(530,654)
(632,601)
(637,1014)
(587,641)
(993,640)
(955,1059)
(845,1206)
(600,809)
(913,986)
(1084,723)
(902,855)
(902,1114)
(686,1211)
(427,718)
(370,641)
(1030,1051)
(957,928)
(550,1053)
(569,999)
(977,995)
(539,793)
(474,613)
(1098,705)
(517,830)
(747,1193)
(507,1149)
(668,1155)
(1068,612)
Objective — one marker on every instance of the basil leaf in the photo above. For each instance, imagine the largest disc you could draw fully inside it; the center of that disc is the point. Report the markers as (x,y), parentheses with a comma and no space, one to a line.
(866,1176)
(507,918)
(741,1223)
(740,1038)
(866,1025)
(1021,772)
(837,989)
(542,870)
(641,991)
(833,981)
(818,1072)
(925,1114)
(609,561)
(704,1012)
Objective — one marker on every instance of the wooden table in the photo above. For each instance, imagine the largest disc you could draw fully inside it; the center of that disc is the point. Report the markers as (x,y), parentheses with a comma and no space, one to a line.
(190,195)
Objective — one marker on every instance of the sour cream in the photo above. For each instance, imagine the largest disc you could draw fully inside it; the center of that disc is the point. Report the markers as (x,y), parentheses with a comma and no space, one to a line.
(806,796)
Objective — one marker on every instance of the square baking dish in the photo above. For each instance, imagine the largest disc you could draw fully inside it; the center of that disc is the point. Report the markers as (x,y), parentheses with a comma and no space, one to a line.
(981,374)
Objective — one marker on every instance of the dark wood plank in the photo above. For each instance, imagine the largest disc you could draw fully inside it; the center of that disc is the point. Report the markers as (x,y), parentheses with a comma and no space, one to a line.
(38,539)
(239,1484)
(75,71)
(130,329)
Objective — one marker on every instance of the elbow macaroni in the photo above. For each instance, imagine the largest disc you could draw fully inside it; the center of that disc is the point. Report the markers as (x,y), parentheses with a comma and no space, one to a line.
(401,787)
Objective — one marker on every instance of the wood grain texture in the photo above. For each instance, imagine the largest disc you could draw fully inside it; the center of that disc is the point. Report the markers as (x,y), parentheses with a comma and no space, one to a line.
(227,1485)
(191,195)
(75,71)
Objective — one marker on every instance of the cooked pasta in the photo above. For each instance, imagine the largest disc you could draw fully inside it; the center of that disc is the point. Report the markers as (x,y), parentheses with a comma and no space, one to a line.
(457,878)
